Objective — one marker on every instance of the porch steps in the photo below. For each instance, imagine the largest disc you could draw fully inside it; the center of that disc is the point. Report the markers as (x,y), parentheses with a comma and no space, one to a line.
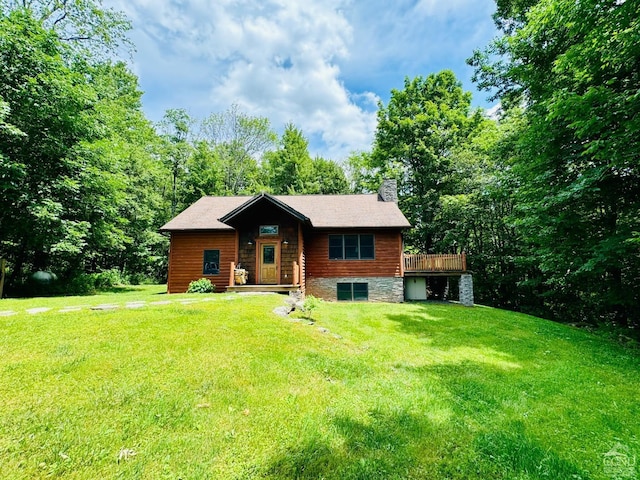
(264,288)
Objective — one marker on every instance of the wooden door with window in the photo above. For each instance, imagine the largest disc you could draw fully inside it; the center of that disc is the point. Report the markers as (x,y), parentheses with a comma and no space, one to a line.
(269,259)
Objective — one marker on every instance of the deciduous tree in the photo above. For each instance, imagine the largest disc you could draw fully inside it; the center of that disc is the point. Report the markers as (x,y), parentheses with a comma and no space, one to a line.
(415,138)
(177,131)
(77,193)
(85,25)
(239,141)
(328,177)
(576,68)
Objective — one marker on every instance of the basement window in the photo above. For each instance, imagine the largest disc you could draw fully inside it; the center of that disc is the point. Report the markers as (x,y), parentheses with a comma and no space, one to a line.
(353,292)
(211,262)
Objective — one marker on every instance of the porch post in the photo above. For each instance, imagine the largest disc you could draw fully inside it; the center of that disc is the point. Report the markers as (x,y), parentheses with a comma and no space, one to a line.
(466,290)
(301,259)
(296,273)
(232,274)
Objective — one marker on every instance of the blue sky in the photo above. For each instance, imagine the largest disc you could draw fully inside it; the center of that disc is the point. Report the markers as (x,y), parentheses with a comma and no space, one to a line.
(320,64)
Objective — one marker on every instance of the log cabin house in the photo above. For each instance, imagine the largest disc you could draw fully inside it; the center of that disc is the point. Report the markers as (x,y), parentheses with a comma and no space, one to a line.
(336,247)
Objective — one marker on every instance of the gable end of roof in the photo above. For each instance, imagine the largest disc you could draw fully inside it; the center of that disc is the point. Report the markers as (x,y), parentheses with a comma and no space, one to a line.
(258,198)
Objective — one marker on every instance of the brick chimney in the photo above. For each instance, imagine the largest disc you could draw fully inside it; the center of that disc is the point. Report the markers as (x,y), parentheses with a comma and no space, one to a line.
(388,191)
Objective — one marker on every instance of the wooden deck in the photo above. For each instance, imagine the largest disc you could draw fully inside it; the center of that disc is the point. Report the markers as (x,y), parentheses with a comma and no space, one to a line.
(444,264)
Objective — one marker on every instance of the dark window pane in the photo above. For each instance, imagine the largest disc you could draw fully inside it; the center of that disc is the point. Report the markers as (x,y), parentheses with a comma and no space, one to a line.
(361,291)
(335,247)
(351,247)
(268,254)
(211,263)
(344,291)
(366,247)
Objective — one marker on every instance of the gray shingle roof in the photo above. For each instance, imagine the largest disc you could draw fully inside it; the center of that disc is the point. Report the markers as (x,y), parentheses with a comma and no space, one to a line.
(324,211)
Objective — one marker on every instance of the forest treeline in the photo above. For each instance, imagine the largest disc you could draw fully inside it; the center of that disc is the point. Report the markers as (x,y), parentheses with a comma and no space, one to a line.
(543,196)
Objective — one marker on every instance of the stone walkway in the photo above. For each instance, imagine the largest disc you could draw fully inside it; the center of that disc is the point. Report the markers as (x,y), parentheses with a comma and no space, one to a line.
(280,311)
(109,306)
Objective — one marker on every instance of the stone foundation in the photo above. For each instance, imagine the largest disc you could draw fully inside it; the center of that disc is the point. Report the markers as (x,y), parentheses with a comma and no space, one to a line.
(381,289)
(466,290)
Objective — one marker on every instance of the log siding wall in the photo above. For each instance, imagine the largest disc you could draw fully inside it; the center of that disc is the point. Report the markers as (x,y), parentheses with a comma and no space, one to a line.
(309,249)
(186,257)
(387,262)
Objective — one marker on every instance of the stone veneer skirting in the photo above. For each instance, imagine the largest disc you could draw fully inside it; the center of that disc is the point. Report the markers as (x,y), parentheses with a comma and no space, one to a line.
(381,289)
(466,290)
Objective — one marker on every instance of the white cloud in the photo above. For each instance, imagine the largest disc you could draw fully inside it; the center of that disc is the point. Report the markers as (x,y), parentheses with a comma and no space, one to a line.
(288,73)
(494,112)
(320,64)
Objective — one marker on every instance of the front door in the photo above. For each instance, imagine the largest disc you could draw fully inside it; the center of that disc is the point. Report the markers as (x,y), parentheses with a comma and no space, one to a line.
(269,263)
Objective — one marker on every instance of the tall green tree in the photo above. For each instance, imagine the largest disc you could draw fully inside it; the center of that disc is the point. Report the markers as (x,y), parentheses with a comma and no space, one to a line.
(576,68)
(204,174)
(239,141)
(415,139)
(362,175)
(49,102)
(85,25)
(128,179)
(479,217)
(327,178)
(291,170)
(72,183)
(290,167)
(176,129)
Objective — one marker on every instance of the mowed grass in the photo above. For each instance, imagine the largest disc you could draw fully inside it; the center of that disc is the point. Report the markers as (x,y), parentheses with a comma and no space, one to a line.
(117,295)
(227,389)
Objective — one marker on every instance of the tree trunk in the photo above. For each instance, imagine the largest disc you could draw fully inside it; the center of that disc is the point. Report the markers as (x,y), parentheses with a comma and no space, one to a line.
(3,264)
(18,263)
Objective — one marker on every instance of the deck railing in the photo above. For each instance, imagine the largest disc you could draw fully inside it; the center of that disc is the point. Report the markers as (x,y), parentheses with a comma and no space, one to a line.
(435,263)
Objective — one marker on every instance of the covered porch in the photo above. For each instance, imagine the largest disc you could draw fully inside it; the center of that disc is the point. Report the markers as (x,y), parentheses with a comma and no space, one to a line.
(269,246)
(238,281)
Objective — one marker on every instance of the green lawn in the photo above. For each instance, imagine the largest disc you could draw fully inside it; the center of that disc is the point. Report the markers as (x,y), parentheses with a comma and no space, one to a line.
(117,295)
(227,389)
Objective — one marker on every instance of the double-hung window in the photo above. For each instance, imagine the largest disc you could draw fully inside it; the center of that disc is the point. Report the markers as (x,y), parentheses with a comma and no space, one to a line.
(351,247)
